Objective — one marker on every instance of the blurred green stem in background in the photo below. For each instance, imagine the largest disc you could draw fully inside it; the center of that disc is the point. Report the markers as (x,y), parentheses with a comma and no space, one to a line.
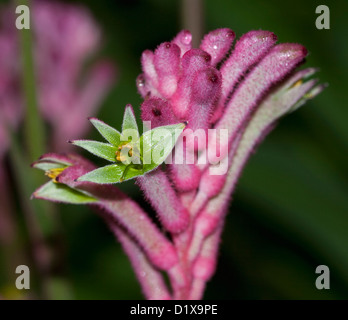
(49,286)
(34,133)
(39,216)
(24,186)
(34,128)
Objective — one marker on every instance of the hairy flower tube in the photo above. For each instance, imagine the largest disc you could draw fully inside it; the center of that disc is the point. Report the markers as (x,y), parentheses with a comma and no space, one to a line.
(229,96)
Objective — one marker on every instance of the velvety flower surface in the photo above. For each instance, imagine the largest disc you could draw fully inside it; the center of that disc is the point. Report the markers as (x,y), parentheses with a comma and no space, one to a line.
(240,90)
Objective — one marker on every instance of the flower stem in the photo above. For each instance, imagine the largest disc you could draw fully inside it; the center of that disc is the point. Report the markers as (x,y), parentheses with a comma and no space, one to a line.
(24,186)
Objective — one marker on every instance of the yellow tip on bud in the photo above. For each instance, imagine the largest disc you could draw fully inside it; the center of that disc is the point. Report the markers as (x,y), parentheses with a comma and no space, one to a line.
(53,173)
(297,83)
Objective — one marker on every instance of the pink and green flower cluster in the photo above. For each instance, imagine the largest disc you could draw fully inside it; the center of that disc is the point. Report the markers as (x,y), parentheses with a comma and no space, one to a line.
(243,89)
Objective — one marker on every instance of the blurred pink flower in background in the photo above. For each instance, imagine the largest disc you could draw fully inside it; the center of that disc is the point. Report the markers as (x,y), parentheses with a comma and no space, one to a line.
(10,100)
(70,86)
(65,38)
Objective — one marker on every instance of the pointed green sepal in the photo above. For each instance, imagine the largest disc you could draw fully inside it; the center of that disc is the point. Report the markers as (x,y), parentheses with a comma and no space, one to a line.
(58,192)
(158,143)
(129,125)
(105,175)
(109,133)
(99,149)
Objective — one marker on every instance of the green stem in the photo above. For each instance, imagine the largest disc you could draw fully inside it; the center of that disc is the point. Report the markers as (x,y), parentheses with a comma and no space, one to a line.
(37,219)
(33,125)
(34,135)
(24,184)
(39,216)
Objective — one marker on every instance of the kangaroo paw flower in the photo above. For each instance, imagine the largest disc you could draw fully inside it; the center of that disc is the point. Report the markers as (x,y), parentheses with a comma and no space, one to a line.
(206,109)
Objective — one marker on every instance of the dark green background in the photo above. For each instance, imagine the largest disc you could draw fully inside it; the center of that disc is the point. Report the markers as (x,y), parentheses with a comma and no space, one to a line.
(290,211)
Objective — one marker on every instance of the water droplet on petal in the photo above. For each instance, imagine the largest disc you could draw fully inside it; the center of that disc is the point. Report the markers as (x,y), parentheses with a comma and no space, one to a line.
(141,81)
(186,39)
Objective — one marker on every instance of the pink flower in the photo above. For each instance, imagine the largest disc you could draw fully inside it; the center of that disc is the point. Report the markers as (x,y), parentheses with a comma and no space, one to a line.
(243,88)
(214,89)
(240,92)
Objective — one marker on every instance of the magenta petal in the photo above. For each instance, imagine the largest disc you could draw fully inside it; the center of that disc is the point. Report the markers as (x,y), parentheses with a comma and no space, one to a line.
(151,280)
(184,173)
(272,107)
(70,175)
(249,49)
(150,80)
(167,65)
(160,193)
(211,185)
(193,61)
(217,43)
(183,41)
(57,157)
(185,176)
(279,62)
(159,250)
(205,265)
(158,111)
(206,88)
